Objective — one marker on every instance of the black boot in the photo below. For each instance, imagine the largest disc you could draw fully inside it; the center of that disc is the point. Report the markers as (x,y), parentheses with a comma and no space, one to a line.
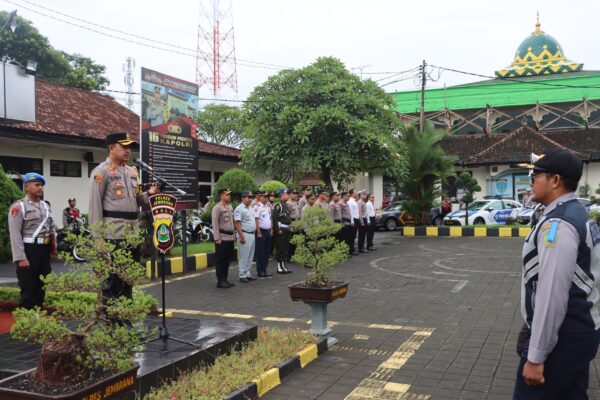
(281,268)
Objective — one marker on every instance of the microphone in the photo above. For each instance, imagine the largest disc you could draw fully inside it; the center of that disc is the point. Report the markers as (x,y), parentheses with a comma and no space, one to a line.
(143,164)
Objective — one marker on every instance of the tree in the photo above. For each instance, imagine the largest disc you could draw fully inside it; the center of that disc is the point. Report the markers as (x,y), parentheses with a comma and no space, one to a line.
(237,180)
(27,43)
(272,186)
(9,193)
(427,167)
(221,124)
(320,118)
(469,185)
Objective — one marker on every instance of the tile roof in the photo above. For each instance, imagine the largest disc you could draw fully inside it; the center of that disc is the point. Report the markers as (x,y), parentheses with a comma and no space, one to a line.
(64,110)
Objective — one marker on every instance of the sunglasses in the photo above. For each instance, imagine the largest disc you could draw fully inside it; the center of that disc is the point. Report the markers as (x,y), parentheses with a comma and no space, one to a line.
(535,176)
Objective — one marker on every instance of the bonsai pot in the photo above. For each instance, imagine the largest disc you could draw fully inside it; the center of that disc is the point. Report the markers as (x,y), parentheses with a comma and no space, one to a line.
(119,386)
(301,292)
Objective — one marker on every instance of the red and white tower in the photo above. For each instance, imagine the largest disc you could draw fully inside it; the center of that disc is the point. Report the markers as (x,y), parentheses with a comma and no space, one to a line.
(215,56)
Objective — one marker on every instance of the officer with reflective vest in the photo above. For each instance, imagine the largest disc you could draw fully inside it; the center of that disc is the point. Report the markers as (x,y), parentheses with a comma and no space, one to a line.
(32,240)
(559,294)
(115,199)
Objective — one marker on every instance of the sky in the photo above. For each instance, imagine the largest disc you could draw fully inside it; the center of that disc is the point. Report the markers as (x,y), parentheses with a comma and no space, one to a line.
(375,36)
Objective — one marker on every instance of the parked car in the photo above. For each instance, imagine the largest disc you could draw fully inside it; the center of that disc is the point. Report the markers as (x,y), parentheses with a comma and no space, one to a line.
(393,216)
(485,212)
(524,216)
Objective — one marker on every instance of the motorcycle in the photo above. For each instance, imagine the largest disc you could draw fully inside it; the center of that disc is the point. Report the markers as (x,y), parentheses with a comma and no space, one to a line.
(196,231)
(63,245)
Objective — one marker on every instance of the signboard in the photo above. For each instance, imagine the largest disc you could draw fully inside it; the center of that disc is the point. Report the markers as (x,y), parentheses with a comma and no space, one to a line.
(163,208)
(502,186)
(522,184)
(169,140)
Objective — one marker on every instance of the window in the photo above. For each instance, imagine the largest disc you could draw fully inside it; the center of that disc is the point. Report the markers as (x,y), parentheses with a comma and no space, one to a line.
(217,175)
(510,204)
(21,165)
(204,176)
(203,192)
(496,205)
(91,166)
(70,169)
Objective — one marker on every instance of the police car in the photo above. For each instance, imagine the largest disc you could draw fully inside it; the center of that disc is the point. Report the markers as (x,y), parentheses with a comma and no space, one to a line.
(485,212)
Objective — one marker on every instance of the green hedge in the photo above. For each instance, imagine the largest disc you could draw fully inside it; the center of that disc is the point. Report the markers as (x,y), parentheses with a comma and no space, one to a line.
(9,193)
(273,186)
(236,180)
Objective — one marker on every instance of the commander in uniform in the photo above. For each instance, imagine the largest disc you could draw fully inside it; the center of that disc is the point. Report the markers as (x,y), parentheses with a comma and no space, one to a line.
(32,240)
(224,231)
(559,292)
(115,198)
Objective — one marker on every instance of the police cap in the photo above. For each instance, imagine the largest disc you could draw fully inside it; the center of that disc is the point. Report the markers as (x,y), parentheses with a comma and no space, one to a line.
(247,193)
(123,138)
(561,162)
(223,191)
(31,177)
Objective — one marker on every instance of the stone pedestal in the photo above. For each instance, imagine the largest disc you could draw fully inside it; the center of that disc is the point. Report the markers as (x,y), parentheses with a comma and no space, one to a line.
(319,322)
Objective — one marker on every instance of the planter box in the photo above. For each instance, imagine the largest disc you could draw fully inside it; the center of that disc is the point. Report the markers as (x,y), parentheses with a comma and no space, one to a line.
(120,386)
(300,292)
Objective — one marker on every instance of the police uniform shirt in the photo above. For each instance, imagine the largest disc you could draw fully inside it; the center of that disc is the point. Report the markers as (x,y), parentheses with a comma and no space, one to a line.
(335,212)
(345,212)
(353,209)
(24,218)
(302,202)
(294,209)
(362,210)
(245,215)
(557,270)
(263,214)
(114,191)
(306,207)
(222,219)
(371,210)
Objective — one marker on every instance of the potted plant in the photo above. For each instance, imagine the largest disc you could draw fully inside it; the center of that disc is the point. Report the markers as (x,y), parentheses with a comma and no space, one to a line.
(87,350)
(318,248)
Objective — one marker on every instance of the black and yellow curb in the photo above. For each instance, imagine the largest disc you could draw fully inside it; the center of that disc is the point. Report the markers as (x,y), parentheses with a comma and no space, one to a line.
(459,231)
(174,265)
(273,377)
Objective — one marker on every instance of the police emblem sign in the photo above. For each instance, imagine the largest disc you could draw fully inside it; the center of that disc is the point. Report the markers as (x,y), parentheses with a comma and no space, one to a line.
(163,208)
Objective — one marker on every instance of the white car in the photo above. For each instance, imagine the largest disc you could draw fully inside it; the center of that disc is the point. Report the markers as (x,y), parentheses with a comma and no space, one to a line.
(485,212)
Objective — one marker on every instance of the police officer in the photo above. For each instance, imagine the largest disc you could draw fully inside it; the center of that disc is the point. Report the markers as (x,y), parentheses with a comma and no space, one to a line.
(561,271)
(311,201)
(224,233)
(264,232)
(363,221)
(292,204)
(322,198)
(335,212)
(281,231)
(305,192)
(347,227)
(245,225)
(115,198)
(32,240)
(355,216)
(371,215)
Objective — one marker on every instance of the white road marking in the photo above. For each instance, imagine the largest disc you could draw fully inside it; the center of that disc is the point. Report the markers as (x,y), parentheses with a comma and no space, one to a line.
(438,263)
(459,286)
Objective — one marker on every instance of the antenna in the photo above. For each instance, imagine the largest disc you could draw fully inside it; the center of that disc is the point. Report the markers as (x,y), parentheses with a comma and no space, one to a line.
(128,67)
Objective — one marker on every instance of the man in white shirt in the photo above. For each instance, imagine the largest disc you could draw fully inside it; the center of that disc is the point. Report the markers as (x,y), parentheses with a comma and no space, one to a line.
(355,217)
(262,213)
(371,222)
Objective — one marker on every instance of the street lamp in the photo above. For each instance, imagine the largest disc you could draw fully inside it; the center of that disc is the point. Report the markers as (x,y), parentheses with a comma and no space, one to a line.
(11,22)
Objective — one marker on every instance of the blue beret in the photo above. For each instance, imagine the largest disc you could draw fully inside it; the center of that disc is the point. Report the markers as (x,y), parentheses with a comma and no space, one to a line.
(33,177)
(282,191)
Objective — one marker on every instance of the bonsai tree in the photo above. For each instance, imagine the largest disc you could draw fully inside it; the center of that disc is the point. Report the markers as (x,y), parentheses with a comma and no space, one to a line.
(317,247)
(469,184)
(81,339)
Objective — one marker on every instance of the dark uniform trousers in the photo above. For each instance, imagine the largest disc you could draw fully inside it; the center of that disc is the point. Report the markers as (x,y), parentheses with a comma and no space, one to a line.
(370,232)
(347,236)
(114,286)
(354,233)
(263,246)
(566,370)
(224,253)
(362,234)
(32,288)
(282,244)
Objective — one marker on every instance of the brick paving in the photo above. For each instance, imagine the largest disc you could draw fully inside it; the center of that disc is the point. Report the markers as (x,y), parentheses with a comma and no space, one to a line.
(461,293)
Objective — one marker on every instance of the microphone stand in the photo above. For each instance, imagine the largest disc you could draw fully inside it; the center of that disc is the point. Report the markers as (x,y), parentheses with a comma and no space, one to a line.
(163,332)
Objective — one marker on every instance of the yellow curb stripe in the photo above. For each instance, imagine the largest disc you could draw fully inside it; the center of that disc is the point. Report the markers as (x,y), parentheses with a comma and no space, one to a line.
(176,265)
(480,232)
(504,232)
(455,231)
(523,232)
(267,381)
(431,231)
(308,354)
(201,261)
(409,231)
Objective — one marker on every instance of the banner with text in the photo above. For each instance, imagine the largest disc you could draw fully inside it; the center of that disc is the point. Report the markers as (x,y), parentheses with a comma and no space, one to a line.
(169,139)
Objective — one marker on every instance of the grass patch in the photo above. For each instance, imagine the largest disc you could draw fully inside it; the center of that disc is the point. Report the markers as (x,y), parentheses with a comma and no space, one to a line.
(195,248)
(230,372)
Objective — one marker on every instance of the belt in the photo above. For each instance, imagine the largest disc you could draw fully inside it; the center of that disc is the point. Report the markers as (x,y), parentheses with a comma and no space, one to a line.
(39,240)
(248,232)
(120,214)
(283,226)
(225,232)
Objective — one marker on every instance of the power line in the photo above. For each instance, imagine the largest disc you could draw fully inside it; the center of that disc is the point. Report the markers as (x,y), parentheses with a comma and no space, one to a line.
(517,79)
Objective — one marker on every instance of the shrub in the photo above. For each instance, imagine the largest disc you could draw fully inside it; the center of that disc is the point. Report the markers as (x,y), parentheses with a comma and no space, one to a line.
(317,247)
(272,186)
(236,180)
(80,337)
(9,193)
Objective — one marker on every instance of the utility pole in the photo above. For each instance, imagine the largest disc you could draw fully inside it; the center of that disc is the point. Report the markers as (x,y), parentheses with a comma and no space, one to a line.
(128,67)
(423,83)
(361,68)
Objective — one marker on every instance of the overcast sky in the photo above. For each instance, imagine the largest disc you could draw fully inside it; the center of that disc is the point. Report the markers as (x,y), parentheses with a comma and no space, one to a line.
(471,35)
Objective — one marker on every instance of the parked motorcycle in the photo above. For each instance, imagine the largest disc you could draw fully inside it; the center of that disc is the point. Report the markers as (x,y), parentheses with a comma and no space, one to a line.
(64,245)
(196,231)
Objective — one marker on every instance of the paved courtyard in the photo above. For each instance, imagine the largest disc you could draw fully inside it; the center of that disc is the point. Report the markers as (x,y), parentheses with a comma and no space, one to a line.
(425,318)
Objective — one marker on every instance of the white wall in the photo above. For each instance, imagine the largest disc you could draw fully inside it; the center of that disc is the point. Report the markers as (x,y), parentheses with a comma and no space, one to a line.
(591,175)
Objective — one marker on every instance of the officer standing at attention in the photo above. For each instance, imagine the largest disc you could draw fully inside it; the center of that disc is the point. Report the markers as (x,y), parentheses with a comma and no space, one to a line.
(371,215)
(322,198)
(264,231)
(305,192)
(292,204)
(115,199)
(335,212)
(245,225)
(281,231)
(363,221)
(311,201)
(347,228)
(32,240)
(222,219)
(561,271)
(355,215)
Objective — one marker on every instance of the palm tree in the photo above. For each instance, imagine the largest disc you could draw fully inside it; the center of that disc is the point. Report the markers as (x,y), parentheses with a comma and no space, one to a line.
(428,166)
